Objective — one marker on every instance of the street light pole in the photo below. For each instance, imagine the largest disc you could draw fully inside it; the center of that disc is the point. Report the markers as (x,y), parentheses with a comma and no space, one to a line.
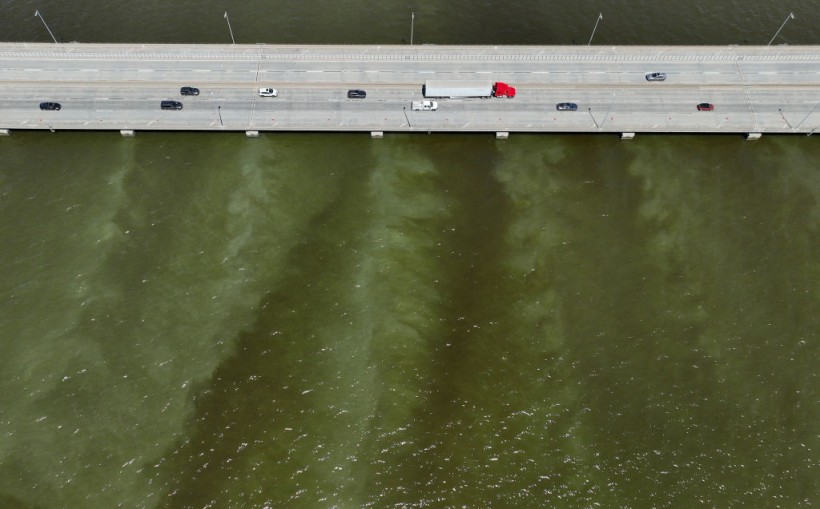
(593,118)
(600,17)
(790,16)
(807,116)
(412,25)
(38,15)
(229,27)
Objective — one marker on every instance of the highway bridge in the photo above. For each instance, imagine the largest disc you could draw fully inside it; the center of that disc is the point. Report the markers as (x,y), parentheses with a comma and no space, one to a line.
(754,89)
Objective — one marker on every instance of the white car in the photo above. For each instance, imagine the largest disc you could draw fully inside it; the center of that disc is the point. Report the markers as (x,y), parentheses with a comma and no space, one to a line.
(268,92)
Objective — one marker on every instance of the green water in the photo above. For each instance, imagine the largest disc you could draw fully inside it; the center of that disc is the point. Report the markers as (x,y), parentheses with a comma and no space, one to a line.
(204,320)
(446,321)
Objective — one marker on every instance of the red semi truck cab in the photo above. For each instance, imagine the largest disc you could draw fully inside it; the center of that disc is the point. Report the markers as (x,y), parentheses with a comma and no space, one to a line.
(501,89)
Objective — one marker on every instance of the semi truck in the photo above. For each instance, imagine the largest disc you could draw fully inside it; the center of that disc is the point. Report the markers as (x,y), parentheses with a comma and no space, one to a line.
(464,89)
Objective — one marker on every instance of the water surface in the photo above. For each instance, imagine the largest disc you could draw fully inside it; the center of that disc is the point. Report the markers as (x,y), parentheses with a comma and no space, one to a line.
(308,320)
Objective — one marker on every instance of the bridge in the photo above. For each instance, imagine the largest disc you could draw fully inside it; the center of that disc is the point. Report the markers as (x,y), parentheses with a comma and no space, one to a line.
(119,87)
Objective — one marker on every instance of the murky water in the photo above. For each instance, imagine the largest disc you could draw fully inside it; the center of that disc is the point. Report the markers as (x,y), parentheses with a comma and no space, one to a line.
(205,320)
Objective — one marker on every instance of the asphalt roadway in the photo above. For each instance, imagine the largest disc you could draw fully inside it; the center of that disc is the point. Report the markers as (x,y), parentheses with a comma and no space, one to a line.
(753,89)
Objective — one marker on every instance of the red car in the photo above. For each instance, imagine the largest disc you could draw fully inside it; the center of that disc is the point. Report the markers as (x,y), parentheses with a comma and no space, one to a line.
(706,107)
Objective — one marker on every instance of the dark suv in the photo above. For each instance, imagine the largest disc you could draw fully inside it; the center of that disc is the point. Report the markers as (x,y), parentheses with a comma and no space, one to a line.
(170,105)
(356,94)
(50,106)
(189,91)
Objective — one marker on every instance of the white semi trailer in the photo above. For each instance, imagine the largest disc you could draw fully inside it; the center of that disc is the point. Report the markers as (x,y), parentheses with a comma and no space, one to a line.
(464,89)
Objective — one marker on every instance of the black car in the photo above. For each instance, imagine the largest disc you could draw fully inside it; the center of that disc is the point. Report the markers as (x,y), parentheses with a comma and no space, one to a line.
(189,91)
(566,107)
(170,105)
(50,106)
(356,94)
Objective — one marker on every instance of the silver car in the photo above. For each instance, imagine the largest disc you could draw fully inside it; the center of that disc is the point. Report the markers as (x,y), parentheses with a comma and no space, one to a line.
(656,76)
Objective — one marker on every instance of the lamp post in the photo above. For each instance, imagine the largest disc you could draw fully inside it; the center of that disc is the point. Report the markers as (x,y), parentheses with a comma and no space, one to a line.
(593,118)
(790,16)
(38,15)
(600,17)
(780,110)
(412,25)
(229,27)
(404,109)
(807,116)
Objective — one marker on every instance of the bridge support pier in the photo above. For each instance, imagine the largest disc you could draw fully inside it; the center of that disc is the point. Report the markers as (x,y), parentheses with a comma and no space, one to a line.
(627,136)
(753,136)
(5,132)
(502,135)
(127,133)
(377,134)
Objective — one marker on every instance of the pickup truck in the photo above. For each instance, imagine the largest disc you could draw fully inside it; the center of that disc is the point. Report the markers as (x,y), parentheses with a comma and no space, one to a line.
(424,105)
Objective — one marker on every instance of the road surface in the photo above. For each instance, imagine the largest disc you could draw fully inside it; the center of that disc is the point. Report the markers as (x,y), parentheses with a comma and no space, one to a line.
(120,86)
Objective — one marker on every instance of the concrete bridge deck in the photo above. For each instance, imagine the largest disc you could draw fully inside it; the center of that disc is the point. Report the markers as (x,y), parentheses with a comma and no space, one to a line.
(120,86)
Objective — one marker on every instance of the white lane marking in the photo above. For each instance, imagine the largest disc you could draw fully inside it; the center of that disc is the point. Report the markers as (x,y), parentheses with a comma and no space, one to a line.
(314,71)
